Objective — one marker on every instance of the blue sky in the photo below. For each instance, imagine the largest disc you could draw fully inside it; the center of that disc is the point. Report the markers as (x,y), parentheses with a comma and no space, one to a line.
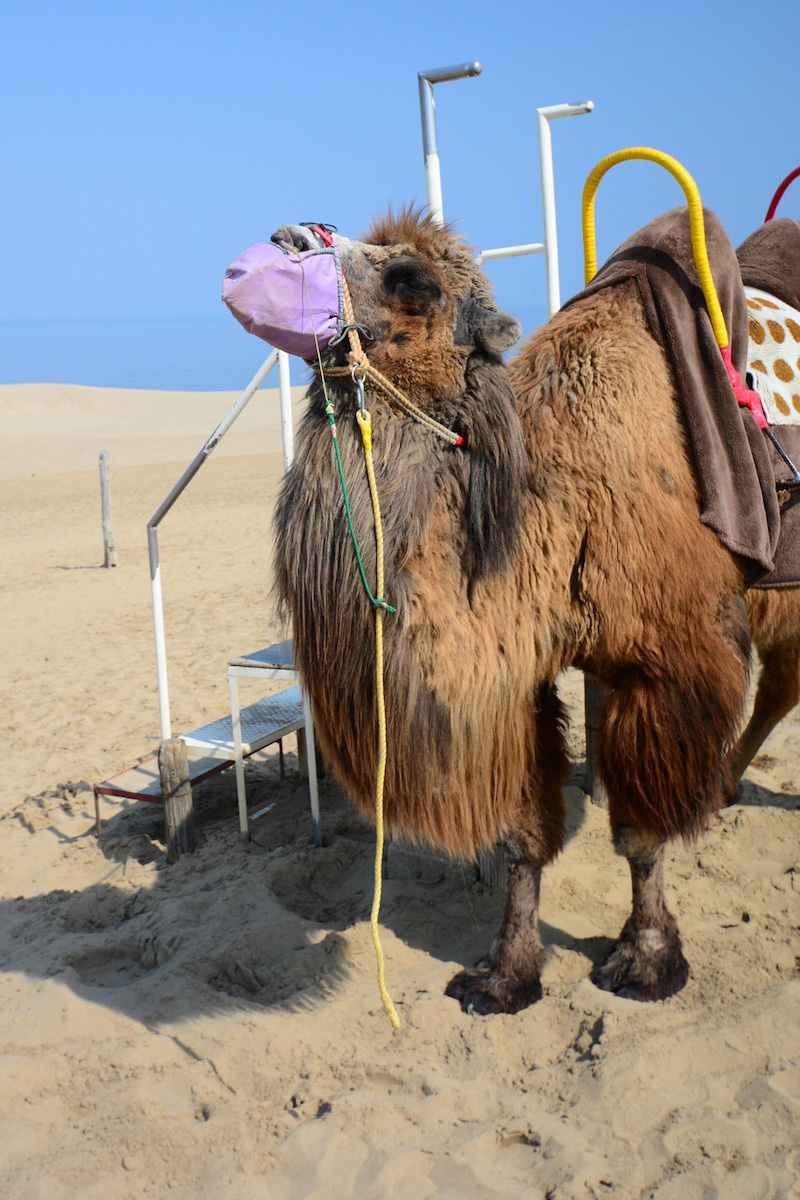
(146,145)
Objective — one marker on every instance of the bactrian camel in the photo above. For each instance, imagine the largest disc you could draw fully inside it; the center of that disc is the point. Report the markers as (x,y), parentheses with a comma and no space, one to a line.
(564,532)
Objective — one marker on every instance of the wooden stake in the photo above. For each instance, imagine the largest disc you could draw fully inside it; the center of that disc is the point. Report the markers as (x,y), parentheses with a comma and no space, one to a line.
(176,791)
(109,541)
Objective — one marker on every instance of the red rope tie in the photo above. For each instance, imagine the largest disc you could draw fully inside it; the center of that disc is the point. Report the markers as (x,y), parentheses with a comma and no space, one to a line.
(779,192)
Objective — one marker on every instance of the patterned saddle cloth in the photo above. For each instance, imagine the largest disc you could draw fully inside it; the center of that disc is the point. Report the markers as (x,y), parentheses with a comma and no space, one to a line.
(773,355)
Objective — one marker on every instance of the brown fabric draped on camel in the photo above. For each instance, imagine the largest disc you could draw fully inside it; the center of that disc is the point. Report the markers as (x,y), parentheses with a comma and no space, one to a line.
(770,259)
(732,462)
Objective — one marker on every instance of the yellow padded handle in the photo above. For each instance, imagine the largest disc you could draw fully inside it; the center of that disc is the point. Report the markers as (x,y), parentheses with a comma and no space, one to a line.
(695,223)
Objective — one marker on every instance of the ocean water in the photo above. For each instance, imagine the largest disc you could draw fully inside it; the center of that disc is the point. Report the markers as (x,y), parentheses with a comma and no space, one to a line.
(208,353)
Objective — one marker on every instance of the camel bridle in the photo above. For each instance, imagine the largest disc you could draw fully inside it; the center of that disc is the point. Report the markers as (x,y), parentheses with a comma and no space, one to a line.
(359,366)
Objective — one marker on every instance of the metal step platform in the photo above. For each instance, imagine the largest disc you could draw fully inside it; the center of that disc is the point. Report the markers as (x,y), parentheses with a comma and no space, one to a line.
(212,748)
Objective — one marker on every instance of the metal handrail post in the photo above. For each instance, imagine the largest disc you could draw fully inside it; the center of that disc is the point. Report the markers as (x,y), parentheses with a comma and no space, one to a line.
(287,424)
(427,105)
(543,117)
(158,633)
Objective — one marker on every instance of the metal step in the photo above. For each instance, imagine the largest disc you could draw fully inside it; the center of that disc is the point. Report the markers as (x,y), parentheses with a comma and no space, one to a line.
(264,722)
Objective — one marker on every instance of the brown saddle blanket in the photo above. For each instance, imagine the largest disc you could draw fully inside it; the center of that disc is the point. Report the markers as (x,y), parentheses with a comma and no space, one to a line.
(737,466)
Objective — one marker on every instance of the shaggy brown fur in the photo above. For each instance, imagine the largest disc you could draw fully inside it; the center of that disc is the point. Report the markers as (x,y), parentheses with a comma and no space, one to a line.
(566,532)
(666,629)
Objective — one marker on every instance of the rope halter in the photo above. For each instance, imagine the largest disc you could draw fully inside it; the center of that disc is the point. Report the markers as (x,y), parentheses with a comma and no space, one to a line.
(360,367)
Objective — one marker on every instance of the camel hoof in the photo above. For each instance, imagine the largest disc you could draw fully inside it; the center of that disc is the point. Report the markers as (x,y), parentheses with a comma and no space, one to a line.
(482,990)
(647,966)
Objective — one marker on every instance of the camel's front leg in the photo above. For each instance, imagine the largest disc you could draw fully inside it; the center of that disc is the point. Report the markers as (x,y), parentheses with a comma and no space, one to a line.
(507,978)
(647,962)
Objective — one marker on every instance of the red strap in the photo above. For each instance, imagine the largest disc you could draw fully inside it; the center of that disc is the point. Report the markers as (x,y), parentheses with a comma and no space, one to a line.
(745,398)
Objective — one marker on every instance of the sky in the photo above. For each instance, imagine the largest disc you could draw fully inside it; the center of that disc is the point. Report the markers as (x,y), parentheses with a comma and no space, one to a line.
(147,144)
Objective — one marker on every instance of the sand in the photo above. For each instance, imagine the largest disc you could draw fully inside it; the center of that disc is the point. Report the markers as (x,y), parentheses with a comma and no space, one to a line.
(213,1029)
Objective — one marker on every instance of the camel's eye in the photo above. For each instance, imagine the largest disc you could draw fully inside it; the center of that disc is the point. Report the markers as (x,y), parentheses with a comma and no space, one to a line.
(409,282)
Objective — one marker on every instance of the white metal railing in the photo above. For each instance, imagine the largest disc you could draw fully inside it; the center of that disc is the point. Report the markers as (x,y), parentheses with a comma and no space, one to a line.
(543,118)
(282,359)
(509,252)
(433,176)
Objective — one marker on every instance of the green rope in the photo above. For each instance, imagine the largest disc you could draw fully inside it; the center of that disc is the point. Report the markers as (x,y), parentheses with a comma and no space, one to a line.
(375,603)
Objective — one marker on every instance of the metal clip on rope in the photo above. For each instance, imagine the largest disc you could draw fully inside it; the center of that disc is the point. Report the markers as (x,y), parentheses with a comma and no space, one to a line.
(358,380)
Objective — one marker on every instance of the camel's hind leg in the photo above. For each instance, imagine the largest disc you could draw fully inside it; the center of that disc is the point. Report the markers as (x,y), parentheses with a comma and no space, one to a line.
(777,693)
(662,759)
(647,962)
(774,616)
(507,979)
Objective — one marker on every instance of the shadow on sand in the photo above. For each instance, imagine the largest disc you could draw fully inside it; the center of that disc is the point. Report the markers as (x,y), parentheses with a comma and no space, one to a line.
(266,922)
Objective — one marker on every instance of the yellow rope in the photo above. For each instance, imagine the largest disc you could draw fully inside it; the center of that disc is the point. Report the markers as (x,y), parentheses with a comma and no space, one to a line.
(695,222)
(365,424)
(358,357)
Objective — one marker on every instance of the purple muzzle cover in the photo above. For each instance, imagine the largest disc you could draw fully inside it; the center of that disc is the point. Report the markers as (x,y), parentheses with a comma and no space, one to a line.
(290,298)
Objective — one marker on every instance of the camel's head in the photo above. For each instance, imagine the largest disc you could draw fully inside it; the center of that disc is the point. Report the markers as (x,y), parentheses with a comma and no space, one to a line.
(416,289)
(431,327)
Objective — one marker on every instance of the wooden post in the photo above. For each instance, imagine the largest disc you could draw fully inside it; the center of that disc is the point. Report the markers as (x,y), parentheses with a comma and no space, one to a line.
(176,791)
(594,695)
(109,541)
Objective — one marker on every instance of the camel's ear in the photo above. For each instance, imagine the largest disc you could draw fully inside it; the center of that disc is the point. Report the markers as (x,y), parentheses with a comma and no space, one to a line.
(498,332)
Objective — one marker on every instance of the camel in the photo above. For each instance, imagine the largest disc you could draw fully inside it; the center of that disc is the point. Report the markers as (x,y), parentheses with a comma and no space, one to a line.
(563,532)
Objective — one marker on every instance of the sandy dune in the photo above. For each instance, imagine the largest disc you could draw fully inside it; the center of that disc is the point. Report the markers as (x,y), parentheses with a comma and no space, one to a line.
(213,1029)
